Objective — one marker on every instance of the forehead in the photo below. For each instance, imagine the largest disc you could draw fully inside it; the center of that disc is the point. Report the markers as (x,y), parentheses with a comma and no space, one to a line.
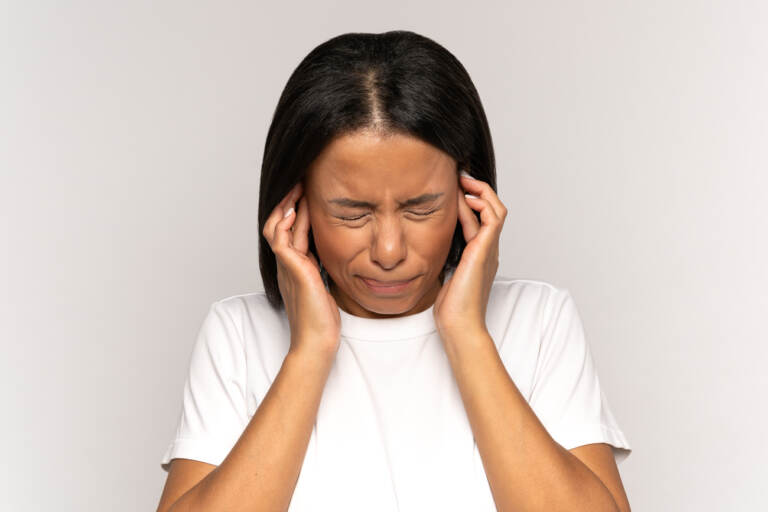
(373,165)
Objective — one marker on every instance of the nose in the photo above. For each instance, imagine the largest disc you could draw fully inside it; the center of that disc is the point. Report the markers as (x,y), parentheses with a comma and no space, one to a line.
(388,247)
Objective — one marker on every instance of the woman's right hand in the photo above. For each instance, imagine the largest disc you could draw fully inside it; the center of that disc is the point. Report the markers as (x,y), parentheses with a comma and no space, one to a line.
(313,314)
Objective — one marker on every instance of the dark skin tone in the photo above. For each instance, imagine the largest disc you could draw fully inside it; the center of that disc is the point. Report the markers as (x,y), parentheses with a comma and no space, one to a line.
(526,468)
(384,240)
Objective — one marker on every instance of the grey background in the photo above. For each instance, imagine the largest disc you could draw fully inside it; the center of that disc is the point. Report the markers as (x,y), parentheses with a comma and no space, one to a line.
(632,156)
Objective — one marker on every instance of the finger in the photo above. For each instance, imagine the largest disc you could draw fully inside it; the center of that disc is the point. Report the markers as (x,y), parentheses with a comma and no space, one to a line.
(483,202)
(291,196)
(301,227)
(483,190)
(274,217)
(488,215)
(286,209)
(278,212)
(469,223)
(283,238)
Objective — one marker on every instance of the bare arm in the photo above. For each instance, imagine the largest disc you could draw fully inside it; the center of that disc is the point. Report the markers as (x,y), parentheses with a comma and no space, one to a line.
(526,468)
(261,470)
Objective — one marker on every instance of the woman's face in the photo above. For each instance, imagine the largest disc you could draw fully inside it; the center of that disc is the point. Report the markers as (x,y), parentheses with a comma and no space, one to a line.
(383,209)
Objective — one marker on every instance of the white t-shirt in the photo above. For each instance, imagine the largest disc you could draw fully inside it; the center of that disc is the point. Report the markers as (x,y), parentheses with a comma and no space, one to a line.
(391,431)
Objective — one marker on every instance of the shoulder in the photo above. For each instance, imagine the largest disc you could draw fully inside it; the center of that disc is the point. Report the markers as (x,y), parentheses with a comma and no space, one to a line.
(528,292)
(244,302)
(531,303)
(253,318)
(245,308)
(527,285)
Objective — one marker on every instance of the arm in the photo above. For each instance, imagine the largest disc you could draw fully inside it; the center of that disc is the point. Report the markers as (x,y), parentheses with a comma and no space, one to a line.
(261,470)
(526,469)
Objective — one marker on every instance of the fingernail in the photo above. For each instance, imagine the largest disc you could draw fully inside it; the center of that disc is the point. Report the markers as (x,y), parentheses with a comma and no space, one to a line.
(466,175)
(287,213)
(472,196)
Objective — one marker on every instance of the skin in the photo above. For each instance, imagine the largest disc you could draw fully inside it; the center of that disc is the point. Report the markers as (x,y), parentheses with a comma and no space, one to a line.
(387,242)
(526,468)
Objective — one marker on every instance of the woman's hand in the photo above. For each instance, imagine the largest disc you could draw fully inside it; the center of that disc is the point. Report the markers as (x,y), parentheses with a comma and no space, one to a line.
(313,314)
(462,301)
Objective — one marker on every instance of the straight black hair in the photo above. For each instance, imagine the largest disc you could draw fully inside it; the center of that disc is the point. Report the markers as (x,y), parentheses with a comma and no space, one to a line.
(395,82)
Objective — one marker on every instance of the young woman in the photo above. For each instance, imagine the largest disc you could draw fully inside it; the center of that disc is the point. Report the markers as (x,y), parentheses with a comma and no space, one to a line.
(386,366)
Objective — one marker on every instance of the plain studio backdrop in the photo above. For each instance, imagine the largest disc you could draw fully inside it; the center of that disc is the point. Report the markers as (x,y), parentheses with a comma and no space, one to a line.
(631,144)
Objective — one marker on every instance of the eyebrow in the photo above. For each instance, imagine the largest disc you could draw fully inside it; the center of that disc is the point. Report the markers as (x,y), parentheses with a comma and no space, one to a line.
(414,201)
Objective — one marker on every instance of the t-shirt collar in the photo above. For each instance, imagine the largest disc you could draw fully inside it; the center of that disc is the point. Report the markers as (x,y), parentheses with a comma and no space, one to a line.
(388,329)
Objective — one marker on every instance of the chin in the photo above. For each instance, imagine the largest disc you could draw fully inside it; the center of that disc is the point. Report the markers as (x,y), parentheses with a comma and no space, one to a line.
(392,311)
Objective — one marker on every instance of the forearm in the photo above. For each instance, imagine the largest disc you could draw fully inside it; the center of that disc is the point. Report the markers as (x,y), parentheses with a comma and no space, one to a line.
(261,470)
(526,469)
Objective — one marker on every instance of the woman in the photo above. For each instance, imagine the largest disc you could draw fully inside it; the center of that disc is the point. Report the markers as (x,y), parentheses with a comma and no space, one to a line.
(386,366)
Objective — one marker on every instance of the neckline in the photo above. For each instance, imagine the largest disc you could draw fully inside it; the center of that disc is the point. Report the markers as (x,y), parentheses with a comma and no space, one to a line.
(391,329)
(387,329)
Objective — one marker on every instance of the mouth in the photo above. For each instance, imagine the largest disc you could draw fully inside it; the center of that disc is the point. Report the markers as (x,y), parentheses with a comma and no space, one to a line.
(387,287)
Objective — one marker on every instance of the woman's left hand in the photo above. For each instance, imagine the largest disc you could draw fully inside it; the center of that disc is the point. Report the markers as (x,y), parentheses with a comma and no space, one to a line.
(461,304)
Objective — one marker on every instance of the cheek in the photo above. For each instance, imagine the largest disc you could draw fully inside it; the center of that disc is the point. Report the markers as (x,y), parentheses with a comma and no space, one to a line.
(444,235)
(433,240)
(335,243)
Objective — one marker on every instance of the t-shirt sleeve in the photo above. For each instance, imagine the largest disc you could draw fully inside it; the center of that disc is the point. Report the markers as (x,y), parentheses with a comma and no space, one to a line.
(213,413)
(566,394)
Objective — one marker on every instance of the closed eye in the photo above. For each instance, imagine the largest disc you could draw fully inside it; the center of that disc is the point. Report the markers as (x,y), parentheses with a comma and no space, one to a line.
(421,214)
(424,214)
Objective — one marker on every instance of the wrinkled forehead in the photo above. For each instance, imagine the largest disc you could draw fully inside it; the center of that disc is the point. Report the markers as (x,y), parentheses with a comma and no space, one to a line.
(378,166)
(381,183)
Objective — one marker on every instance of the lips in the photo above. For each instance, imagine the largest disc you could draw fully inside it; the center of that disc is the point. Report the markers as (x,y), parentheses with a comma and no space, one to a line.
(387,288)
(376,282)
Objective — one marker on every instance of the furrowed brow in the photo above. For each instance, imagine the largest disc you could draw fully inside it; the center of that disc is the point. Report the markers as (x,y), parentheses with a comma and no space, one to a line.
(414,201)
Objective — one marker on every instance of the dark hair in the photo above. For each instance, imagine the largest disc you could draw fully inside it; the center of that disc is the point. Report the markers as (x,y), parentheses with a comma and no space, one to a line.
(391,82)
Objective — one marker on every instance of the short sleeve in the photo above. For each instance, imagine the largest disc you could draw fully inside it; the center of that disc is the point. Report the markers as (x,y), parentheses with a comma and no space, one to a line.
(566,394)
(213,413)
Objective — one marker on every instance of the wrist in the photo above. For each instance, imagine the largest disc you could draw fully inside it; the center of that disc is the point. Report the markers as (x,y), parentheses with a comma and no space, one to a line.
(460,342)
(310,356)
